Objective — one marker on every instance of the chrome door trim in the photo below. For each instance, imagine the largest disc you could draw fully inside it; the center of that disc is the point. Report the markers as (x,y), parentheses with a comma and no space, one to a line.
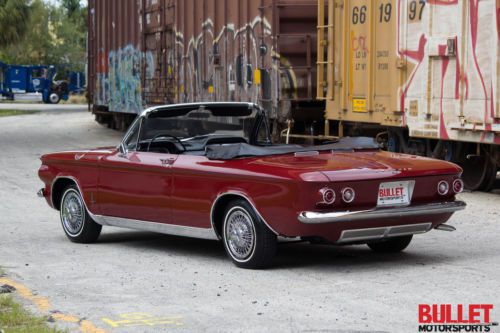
(162,228)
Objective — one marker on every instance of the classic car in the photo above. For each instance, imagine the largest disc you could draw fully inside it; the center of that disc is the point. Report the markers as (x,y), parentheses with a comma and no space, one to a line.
(209,170)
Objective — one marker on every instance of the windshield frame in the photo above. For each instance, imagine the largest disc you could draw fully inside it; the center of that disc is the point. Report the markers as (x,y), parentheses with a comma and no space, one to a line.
(260,120)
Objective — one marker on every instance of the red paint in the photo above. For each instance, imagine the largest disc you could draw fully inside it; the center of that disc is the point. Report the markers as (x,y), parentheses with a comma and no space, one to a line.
(498,19)
(442,2)
(492,107)
(391,192)
(102,63)
(459,314)
(443,133)
(458,72)
(415,55)
(139,186)
(474,17)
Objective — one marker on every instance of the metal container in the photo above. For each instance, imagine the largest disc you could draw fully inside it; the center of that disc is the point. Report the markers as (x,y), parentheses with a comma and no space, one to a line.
(148,52)
(425,70)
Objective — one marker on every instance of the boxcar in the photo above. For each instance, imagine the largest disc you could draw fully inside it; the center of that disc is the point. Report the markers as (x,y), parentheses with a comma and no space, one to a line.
(425,71)
(149,52)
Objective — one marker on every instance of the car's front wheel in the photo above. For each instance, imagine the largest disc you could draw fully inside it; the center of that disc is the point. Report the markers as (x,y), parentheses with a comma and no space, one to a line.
(391,245)
(247,240)
(76,222)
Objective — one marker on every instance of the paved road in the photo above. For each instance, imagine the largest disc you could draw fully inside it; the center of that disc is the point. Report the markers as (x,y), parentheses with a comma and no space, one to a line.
(42,107)
(161,283)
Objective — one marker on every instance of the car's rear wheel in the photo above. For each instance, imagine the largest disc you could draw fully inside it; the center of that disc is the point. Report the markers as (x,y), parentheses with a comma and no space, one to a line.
(391,245)
(76,222)
(247,240)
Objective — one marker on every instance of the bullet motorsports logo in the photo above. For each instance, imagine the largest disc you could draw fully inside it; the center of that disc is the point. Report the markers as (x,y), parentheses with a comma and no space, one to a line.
(458,318)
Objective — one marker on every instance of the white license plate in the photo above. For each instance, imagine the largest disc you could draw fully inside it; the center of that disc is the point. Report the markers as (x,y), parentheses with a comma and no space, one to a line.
(394,193)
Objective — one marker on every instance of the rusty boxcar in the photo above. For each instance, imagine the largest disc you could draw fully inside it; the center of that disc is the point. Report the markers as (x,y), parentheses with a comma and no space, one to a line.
(424,72)
(147,52)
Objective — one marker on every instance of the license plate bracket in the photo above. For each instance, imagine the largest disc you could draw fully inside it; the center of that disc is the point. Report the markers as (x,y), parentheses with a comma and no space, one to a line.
(397,193)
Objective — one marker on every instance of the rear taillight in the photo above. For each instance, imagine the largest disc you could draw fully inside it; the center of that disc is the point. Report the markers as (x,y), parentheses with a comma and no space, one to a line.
(348,195)
(443,187)
(328,195)
(458,186)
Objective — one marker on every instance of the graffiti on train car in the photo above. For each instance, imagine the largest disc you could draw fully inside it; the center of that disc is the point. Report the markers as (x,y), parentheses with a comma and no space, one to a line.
(201,76)
(118,83)
(125,79)
(462,100)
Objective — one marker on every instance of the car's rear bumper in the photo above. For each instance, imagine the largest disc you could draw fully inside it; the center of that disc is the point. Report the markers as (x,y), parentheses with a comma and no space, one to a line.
(381,213)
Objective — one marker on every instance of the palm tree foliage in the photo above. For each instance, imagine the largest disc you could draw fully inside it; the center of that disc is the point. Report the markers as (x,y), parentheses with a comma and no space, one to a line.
(14,20)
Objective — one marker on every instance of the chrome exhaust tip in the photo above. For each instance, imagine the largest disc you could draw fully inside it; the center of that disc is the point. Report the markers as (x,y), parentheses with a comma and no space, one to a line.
(41,193)
(445,227)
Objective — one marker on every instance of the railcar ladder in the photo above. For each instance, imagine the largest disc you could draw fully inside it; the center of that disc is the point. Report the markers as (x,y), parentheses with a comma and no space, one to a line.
(326,52)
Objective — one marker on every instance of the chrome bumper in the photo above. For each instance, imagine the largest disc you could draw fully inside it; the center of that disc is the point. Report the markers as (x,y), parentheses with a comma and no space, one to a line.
(381,213)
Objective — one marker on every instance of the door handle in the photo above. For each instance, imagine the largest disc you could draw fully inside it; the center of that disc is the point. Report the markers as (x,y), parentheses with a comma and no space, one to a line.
(167,161)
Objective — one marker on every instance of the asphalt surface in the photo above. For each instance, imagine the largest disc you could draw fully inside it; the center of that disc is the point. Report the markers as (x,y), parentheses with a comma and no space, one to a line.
(42,107)
(142,282)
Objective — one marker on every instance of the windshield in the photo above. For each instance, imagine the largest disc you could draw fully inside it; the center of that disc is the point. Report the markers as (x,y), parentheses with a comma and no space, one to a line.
(192,127)
(200,123)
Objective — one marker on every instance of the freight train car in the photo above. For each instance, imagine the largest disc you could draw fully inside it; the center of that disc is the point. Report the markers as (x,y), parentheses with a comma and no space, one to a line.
(423,75)
(148,52)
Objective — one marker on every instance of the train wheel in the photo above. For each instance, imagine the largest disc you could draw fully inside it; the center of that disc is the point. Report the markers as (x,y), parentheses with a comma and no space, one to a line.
(479,167)
(475,172)
(491,171)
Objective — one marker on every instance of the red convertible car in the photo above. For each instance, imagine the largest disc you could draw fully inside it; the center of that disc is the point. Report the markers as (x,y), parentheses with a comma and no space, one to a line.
(210,171)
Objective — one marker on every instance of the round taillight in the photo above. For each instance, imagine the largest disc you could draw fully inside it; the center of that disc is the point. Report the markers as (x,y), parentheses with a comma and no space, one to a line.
(348,195)
(328,195)
(458,186)
(443,187)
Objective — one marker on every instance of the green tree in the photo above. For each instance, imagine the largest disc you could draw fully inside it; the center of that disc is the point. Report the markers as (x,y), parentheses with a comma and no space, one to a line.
(56,35)
(36,45)
(72,7)
(14,18)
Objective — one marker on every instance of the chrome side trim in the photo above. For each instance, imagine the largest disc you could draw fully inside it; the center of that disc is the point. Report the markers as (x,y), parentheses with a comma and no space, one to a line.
(162,228)
(361,235)
(243,196)
(381,213)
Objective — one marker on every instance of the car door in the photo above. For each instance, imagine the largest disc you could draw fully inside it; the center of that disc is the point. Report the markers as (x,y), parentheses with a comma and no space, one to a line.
(136,185)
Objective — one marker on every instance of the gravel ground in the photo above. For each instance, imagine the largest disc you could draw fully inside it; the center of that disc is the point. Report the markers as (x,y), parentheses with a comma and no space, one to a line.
(141,282)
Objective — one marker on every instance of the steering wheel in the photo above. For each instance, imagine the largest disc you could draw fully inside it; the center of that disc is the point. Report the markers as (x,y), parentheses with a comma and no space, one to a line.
(165,135)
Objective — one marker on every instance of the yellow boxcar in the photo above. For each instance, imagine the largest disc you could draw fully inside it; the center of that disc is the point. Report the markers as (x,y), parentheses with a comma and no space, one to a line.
(427,72)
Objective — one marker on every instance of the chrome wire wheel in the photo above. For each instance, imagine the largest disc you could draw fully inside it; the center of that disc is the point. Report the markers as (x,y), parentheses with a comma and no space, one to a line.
(72,213)
(239,232)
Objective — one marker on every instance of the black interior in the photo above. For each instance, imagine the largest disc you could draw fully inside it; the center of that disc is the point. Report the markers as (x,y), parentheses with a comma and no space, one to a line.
(168,145)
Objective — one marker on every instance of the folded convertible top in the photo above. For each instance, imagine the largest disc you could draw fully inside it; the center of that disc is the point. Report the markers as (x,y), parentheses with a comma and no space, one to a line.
(239,150)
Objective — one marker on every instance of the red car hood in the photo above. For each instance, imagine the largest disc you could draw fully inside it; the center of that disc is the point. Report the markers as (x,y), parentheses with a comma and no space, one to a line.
(342,166)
